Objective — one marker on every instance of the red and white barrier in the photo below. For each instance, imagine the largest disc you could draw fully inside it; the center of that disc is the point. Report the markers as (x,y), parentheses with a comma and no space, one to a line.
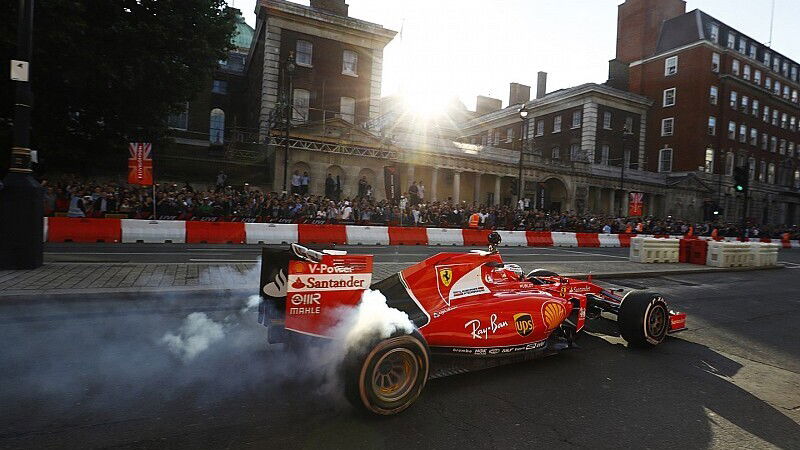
(62,229)
(153,231)
(270,233)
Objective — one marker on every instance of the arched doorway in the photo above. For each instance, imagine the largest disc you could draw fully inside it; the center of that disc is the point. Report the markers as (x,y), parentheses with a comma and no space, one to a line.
(555,195)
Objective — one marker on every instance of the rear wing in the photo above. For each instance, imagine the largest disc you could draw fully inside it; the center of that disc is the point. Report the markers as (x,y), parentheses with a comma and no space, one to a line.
(312,287)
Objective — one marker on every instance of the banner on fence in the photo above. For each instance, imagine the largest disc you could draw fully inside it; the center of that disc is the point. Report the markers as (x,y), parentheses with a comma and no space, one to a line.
(391,181)
(140,163)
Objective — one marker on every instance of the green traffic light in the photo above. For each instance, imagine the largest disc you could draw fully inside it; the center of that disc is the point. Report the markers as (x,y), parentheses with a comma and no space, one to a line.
(739,188)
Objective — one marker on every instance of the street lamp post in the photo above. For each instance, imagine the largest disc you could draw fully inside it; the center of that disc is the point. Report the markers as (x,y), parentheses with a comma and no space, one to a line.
(523,114)
(289,69)
(21,196)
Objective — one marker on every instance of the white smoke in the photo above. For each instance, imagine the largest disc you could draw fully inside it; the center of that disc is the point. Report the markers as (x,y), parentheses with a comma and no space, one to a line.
(371,319)
(196,334)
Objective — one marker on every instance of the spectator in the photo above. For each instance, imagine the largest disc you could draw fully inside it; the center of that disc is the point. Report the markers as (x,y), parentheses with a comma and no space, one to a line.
(221,179)
(304,183)
(296,183)
(362,187)
(421,190)
(413,193)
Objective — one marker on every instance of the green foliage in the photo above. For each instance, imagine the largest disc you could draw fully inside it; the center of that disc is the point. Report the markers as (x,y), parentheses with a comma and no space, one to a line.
(105,72)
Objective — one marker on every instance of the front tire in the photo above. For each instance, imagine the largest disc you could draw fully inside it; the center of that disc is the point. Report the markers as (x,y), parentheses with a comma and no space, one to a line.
(389,376)
(643,319)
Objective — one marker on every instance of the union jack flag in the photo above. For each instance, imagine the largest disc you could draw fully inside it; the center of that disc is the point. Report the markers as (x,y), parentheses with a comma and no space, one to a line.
(140,163)
(636,204)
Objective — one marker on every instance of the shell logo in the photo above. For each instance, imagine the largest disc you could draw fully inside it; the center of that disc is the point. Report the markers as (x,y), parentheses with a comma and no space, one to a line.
(298,267)
(553,314)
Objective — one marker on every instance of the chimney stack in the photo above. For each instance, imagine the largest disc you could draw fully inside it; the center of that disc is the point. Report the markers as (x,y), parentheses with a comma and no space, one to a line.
(485,105)
(541,84)
(337,7)
(519,94)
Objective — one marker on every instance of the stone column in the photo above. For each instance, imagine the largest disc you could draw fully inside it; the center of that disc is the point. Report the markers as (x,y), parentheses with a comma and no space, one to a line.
(598,202)
(456,186)
(434,182)
(612,211)
(477,193)
(497,180)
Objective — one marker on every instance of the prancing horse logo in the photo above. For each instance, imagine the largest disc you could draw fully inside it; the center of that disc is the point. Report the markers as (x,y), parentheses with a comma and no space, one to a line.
(446,276)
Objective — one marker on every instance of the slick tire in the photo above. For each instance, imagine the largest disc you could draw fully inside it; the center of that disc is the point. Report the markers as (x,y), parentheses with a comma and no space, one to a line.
(643,319)
(386,377)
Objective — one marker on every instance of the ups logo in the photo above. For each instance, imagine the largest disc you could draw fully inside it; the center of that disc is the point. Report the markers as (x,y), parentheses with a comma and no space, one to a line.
(523,323)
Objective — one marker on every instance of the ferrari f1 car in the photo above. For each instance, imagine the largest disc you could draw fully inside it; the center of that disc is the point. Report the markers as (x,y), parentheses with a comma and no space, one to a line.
(469,311)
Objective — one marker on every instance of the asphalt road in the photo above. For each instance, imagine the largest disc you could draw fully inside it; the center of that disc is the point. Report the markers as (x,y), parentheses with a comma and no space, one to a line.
(98,371)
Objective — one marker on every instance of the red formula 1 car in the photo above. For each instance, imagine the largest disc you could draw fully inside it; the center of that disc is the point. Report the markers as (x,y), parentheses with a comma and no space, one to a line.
(469,311)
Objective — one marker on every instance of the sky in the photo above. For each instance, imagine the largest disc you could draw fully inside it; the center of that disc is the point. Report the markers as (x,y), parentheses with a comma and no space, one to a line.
(467,48)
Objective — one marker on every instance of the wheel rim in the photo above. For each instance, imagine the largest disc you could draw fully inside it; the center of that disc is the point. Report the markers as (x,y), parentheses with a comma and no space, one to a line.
(657,321)
(394,374)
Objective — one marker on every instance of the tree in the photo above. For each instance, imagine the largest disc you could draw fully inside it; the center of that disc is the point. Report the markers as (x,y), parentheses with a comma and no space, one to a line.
(105,72)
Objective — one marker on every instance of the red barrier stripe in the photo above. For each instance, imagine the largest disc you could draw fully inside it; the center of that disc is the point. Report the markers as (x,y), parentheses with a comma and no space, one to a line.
(321,234)
(766,239)
(625,239)
(587,239)
(475,237)
(199,232)
(66,229)
(408,236)
(539,238)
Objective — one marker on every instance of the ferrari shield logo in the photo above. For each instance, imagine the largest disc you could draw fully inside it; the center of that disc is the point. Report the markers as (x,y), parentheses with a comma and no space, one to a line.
(446,275)
(523,323)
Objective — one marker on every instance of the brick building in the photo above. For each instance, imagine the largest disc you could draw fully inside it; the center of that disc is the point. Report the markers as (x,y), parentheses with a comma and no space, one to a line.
(721,99)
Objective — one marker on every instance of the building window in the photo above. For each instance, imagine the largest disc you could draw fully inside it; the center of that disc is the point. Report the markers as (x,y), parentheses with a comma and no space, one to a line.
(555,153)
(782,147)
(575,152)
(495,137)
(755,108)
(669,97)
(757,77)
(667,126)
(797,179)
(765,116)
(709,161)
(771,173)
(768,83)
(785,69)
(540,128)
(773,144)
(671,66)
(509,135)
(713,96)
(303,53)
(735,67)
(712,125)
(731,40)
(629,124)
(767,59)
(216,130)
(777,87)
(607,120)
(790,149)
(764,141)
(347,108)
(745,103)
(300,103)
(219,87)
(484,140)
(742,133)
(734,99)
(732,130)
(665,160)
(746,71)
(605,149)
(576,119)
(775,117)
(350,63)
(786,92)
(794,95)
(714,33)
(729,164)
(793,123)
(784,120)
(557,124)
(751,167)
(752,52)
(715,62)
(762,173)
(180,120)
(776,65)
(753,137)
(742,46)
(794,73)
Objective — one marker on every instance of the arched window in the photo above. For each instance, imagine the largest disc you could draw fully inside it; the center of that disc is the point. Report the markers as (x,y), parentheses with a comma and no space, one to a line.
(217,127)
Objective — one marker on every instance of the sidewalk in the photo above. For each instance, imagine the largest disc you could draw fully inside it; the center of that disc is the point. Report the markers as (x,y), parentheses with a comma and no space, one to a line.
(99,278)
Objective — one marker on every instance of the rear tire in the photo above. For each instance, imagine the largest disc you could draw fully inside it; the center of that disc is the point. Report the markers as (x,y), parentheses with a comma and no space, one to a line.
(387,377)
(643,319)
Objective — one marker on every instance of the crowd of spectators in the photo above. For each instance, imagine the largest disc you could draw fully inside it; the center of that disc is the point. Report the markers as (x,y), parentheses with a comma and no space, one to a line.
(81,198)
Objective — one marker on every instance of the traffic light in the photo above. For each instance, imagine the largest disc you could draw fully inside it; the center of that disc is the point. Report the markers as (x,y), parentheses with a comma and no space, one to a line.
(741,179)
